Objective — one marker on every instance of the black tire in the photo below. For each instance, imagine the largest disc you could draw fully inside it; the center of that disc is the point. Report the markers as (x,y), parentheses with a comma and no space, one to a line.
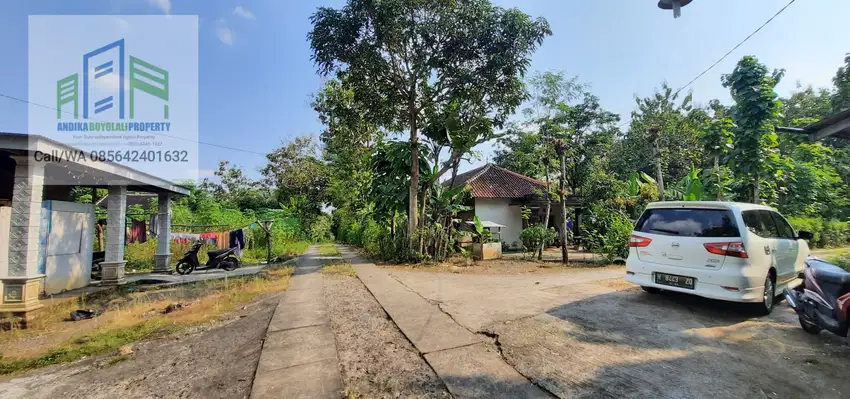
(768,298)
(184,268)
(233,262)
(651,290)
(808,327)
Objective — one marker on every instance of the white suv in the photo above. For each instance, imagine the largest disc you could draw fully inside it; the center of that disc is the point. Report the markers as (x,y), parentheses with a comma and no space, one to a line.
(723,250)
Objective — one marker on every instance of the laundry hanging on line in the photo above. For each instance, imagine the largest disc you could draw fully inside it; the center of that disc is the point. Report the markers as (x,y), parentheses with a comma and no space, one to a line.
(136,232)
(185,238)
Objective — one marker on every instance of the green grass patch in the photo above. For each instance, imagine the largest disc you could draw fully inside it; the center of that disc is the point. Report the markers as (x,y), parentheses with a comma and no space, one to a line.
(328,250)
(841,259)
(339,268)
(99,343)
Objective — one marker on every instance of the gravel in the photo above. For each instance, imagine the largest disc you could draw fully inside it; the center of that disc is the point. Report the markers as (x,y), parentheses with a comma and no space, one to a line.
(376,359)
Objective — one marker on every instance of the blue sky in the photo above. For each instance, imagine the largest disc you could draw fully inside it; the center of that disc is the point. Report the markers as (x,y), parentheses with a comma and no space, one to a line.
(256,77)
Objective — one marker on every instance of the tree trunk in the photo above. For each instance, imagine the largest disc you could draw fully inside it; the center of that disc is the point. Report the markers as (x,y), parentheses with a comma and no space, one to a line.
(413,192)
(756,189)
(454,172)
(717,176)
(659,173)
(548,209)
(564,233)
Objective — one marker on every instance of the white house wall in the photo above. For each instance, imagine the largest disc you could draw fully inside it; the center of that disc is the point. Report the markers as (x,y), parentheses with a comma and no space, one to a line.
(69,248)
(500,211)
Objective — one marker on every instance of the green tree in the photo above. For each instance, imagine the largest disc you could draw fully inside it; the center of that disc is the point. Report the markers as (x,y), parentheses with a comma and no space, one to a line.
(299,176)
(520,150)
(756,109)
(841,96)
(405,59)
(236,190)
(349,139)
(664,124)
(717,140)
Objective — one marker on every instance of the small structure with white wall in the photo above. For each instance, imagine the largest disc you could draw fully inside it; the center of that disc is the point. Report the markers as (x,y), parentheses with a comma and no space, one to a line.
(498,195)
(46,241)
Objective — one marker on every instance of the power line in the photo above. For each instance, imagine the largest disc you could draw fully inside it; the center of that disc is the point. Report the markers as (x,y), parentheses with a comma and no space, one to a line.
(727,53)
(156,133)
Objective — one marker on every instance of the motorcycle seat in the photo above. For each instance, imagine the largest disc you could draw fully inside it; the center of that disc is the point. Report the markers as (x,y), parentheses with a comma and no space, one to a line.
(834,277)
(216,252)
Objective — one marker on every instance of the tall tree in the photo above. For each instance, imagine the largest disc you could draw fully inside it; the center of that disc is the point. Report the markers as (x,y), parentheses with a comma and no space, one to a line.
(300,177)
(841,82)
(658,116)
(406,58)
(349,139)
(756,109)
(717,141)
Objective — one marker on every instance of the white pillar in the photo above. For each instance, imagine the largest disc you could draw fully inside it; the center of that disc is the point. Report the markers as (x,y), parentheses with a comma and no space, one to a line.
(163,235)
(22,285)
(116,208)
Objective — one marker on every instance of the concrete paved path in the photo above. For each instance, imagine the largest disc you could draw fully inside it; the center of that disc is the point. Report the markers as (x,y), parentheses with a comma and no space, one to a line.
(299,358)
(460,358)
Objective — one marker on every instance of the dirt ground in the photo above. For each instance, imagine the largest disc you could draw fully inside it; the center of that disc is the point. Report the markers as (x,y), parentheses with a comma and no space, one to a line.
(507,265)
(590,334)
(214,361)
(376,360)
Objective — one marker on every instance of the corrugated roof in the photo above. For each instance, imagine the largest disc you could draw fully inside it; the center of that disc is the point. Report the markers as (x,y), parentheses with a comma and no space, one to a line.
(491,181)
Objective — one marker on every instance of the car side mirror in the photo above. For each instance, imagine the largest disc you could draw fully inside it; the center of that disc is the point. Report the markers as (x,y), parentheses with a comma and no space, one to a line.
(805,235)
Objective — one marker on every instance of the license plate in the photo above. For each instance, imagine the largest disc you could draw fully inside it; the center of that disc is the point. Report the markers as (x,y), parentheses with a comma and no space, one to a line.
(674,280)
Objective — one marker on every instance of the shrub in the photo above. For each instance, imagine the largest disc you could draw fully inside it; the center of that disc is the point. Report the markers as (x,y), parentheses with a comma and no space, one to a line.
(827,233)
(533,236)
(320,229)
(607,231)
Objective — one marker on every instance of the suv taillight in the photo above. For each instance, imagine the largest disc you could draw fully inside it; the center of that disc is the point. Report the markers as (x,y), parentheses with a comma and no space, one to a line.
(735,249)
(638,241)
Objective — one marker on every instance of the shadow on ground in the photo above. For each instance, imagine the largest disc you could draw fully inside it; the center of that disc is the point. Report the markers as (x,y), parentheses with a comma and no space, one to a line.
(634,344)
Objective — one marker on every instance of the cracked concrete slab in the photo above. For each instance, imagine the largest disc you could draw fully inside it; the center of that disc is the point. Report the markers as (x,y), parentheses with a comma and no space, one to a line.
(476,371)
(468,367)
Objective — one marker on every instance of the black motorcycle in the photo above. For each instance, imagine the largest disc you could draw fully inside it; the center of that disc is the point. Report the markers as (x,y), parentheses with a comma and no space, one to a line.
(218,259)
(823,301)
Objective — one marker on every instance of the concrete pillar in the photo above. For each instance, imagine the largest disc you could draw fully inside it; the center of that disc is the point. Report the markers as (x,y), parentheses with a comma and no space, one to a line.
(163,235)
(22,284)
(116,208)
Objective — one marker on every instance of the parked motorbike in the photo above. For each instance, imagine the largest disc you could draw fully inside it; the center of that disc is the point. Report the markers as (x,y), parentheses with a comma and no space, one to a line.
(823,301)
(218,259)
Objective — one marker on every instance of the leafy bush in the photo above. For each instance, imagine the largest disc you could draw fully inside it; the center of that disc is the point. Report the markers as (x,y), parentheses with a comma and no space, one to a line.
(827,233)
(607,231)
(533,236)
(320,229)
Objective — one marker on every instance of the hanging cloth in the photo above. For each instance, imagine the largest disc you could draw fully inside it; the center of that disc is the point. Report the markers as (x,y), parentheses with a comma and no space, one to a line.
(237,240)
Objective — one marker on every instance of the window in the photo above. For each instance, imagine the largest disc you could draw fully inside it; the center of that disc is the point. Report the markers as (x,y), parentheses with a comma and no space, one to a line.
(760,223)
(785,230)
(687,222)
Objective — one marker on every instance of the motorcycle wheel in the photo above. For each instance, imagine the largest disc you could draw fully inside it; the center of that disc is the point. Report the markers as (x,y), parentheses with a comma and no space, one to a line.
(809,327)
(233,263)
(184,268)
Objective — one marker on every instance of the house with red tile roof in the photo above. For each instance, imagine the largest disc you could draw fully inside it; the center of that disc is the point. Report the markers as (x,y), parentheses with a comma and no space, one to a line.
(498,195)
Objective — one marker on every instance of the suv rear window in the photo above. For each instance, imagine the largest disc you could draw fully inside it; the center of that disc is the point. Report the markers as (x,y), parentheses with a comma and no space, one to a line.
(688,222)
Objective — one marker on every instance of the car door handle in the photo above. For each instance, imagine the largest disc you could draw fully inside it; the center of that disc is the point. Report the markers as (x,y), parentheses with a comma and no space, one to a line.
(767,249)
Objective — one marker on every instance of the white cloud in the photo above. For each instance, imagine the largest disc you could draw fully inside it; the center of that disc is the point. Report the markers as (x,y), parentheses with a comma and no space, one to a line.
(223,32)
(109,81)
(244,12)
(164,5)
